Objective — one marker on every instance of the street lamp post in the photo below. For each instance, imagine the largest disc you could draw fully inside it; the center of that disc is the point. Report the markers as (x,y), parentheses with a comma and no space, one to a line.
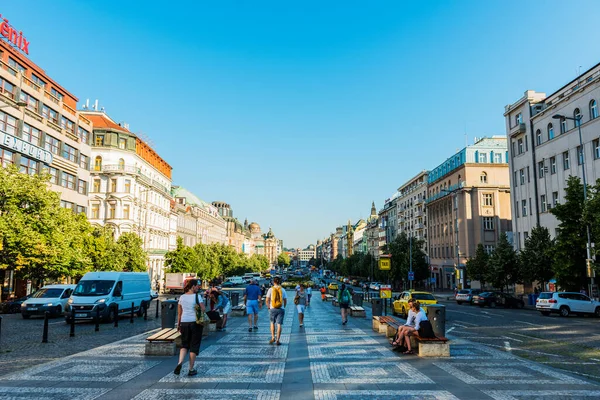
(577,120)
(454,193)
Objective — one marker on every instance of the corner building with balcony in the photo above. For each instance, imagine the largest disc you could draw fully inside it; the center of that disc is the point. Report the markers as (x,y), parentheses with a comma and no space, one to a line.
(468,203)
(545,151)
(131,189)
(41,130)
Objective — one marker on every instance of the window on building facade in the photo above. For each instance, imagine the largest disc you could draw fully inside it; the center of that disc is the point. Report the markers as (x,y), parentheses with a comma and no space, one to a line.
(37,80)
(524,208)
(552,165)
(517,208)
(83,134)
(52,144)
(66,204)
(53,175)
(7,88)
(528,174)
(28,166)
(489,248)
(80,210)
(577,116)
(56,94)
(566,163)
(488,199)
(15,66)
(122,143)
(67,180)
(563,126)
(8,124)
(99,140)
(96,187)
(126,211)
(84,161)
(550,132)
(98,163)
(112,209)
(121,164)
(596,148)
(525,236)
(127,186)
(497,158)
(538,137)
(488,223)
(7,157)
(31,102)
(70,153)
(95,211)
(483,178)
(521,146)
(113,185)
(50,114)
(593,109)
(522,176)
(514,148)
(541,169)
(518,119)
(67,124)
(543,205)
(31,134)
(554,199)
(81,186)
(483,158)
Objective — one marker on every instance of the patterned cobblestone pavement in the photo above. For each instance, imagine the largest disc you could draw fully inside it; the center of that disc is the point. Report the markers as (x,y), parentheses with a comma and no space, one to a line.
(324,360)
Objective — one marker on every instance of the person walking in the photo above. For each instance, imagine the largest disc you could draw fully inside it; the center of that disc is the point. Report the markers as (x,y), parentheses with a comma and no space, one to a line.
(223,305)
(252,303)
(300,301)
(323,292)
(308,295)
(191,332)
(276,302)
(345,301)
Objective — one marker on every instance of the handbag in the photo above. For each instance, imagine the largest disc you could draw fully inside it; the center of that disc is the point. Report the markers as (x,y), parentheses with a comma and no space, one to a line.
(201,317)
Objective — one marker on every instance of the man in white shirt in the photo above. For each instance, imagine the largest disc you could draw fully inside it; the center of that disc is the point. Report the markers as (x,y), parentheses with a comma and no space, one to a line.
(276,302)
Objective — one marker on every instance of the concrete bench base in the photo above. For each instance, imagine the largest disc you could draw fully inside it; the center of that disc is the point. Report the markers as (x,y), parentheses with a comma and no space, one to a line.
(358,314)
(238,313)
(212,327)
(376,324)
(383,328)
(434,349)
(391,331)
(160,349)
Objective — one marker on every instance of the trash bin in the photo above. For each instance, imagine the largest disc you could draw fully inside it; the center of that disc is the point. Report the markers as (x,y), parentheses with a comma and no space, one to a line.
(376,307)
(234,297)
(168,313)
(533,298)
(436,314)
(357,299)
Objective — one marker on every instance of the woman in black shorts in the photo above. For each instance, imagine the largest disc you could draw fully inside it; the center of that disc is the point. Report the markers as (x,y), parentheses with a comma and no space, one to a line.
(191,332)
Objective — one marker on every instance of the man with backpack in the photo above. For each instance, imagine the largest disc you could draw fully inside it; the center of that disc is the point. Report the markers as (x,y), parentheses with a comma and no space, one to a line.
(276,302)
(345,301)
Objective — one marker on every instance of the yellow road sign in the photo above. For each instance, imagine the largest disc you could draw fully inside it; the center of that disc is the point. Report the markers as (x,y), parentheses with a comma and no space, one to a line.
(385,292)
(385,264)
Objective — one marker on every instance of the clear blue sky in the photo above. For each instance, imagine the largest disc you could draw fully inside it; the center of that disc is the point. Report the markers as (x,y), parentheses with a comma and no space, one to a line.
(299,114)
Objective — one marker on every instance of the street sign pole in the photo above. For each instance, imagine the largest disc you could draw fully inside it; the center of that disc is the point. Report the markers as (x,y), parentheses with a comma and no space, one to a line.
(410,261)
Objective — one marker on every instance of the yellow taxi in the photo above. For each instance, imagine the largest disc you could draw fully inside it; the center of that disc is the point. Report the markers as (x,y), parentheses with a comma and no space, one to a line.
(333,286)
(401,302)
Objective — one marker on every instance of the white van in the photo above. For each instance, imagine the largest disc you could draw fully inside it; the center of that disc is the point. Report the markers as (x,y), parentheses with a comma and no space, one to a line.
(112,293)
(51,298)
(236,280)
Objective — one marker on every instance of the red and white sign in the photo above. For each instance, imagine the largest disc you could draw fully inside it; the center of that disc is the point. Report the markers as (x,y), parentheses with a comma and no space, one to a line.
(13,36)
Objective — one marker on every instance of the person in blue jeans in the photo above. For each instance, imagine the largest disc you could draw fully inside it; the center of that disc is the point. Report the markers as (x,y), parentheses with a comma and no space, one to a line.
(223,305)
(252,295)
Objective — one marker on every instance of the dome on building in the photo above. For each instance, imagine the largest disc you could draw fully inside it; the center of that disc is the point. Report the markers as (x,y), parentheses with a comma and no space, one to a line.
(270,234)
(254,227)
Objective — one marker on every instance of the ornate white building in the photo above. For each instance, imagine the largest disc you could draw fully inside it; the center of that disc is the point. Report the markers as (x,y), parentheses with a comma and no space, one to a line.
(131,189)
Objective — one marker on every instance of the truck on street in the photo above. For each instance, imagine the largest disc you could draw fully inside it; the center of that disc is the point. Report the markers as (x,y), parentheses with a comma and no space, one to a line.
(176,280)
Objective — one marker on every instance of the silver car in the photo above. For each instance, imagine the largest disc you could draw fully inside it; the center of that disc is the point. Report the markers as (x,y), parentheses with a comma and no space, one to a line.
(466,295)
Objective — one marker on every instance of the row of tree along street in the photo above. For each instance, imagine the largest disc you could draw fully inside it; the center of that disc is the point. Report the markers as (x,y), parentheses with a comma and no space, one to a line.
(40,240)
(542,258)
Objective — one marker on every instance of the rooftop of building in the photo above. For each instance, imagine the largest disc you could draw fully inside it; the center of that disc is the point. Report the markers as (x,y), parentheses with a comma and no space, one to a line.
(192,199)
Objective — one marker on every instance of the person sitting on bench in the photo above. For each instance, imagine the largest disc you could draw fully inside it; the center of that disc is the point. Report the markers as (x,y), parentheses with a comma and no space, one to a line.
(420,316)
(410,321)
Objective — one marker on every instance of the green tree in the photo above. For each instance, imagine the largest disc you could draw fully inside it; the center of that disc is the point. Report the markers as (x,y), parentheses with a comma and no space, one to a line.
(591,216)
(536,258)
(401,256)
(130,250)
(478,267)
(283,260)
(569,253)
(503,265)
(103,251)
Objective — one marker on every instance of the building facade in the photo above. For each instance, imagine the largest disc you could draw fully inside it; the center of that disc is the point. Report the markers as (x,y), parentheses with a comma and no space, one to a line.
(544,151)
(412,211)
(130,189)
(468,203)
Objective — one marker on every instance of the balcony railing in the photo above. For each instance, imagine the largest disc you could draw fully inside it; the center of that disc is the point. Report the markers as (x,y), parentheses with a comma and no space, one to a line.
(121,168)
(419,226)
(446,192)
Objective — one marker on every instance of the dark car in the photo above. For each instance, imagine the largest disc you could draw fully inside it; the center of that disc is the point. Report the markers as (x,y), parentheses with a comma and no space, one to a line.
(493,299)
(13,306)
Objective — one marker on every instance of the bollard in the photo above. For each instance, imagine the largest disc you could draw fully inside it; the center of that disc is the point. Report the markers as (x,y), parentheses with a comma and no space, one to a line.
(157,307)
(97,327)
(45,334)
(145,313)
(131,318)
(116,315)
(72,333)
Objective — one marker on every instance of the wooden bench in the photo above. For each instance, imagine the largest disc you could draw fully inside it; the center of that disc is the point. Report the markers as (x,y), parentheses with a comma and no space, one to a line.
(358,311)
(162,343)
(334,303)
(238,311)
(390,325)
(429,347)
(328,297)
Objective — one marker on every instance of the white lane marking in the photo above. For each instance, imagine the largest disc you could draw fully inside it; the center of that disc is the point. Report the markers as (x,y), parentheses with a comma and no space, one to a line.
(494,314)
(469,314)
(528,351)
(533,337)
(481,337)
(459,325)
(588,375)
(507,346)
(467,323)
(527,323)
(510,338)
(450,330)
(595,359)
(567,362)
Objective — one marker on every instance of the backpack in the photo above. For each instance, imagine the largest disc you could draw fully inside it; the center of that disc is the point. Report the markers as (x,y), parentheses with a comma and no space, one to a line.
(426,330)
(345,297)
(277,300)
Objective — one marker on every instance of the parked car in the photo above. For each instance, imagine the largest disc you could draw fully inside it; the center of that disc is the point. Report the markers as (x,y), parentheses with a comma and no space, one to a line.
(566,303)
(51,298)
(13,306)
(333,286)
(354,282)
(400,305)
(466,295)
(493,299)
(374,285)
